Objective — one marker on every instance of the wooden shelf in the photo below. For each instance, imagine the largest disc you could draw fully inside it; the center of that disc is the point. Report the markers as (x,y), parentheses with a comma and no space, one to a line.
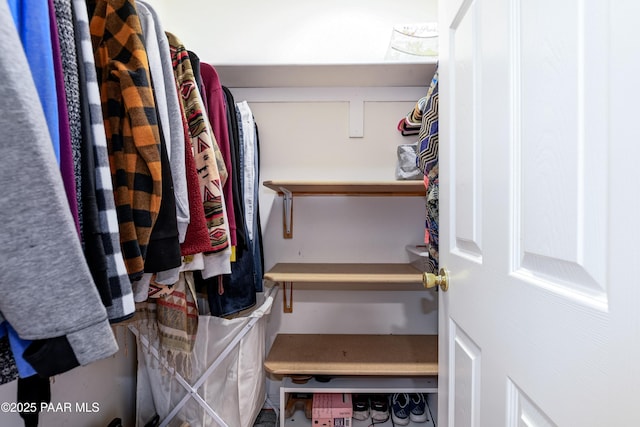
(349,188)
(344,273)
(348,354)
(289,189)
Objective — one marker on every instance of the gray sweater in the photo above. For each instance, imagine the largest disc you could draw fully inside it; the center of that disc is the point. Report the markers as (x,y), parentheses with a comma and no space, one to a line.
(46,289)
(168,105)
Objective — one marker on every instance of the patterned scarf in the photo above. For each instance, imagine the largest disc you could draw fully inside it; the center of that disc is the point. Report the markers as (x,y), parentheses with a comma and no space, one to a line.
(427,161)
(410,125)
(428,136)
(177,315)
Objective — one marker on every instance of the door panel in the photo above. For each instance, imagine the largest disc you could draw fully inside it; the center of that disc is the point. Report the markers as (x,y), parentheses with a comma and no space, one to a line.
(543,294)
(560,148)
(465,140)
(522,412)
(466,385)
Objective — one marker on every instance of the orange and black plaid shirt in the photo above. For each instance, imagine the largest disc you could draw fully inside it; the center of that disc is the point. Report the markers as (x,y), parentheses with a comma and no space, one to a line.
(131,123)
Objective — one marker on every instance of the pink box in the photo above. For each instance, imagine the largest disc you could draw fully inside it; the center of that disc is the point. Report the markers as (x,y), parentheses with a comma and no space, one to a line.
(321,410)
(332,410)
(341,409)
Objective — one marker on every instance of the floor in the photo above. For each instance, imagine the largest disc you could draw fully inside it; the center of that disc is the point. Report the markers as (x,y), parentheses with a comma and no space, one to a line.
(266,418)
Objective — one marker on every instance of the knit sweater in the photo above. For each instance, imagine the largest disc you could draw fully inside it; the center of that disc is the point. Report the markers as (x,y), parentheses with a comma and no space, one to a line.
(67,40)
(67,168)
(202,144)
(131,124)
(197,238)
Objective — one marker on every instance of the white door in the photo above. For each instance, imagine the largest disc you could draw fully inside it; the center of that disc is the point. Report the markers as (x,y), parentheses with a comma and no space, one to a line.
(540,213)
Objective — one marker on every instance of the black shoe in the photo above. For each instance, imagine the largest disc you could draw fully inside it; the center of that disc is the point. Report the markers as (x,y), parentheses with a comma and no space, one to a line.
(154,422)
(379,407)
(360,406)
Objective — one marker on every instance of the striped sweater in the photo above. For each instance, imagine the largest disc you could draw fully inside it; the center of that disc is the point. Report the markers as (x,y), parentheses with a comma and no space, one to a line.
(131,126)
(122,305)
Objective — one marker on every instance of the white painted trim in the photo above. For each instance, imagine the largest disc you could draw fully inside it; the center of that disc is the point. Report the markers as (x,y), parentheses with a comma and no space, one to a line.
(356,97)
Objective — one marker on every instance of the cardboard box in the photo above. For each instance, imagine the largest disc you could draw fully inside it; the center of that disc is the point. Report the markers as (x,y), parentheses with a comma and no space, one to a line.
(321,410)
(332,410)
(341,409)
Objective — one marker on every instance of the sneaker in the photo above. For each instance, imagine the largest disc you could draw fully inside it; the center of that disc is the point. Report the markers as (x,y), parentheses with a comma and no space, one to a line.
(417,408)
(400,409)
(379,407)
(360,406)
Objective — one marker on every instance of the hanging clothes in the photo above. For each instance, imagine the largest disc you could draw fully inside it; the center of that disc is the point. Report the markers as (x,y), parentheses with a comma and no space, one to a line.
(8,368)
(256,233)
(119,289)
(411,123)
(423,121)
(18,347)
(232,293)
(92,243)
(213,97)
(38,308)
(250,181)
(428,136)
(237,195)
(177,316)
(197,238)
(163,251)
(67,168)
(168,105)
(248,153)
(427,161)
(203,144)
(131,124)
(32,21)
(70,85)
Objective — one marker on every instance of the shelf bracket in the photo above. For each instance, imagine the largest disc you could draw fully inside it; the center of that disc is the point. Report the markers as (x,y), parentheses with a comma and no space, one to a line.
(287,213)
(287,304)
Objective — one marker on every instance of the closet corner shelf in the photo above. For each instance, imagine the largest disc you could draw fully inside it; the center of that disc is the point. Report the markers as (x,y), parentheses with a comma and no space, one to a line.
(353,355)
(339,188)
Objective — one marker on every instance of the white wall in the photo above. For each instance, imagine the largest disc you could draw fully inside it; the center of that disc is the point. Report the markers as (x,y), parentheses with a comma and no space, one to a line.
(110,383)
(289,31)
(310,140)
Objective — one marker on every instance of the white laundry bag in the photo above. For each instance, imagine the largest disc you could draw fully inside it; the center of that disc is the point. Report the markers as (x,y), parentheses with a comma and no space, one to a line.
(235,390)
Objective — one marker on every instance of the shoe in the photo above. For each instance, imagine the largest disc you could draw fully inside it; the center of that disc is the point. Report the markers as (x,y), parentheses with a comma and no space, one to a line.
(154,422)
(379,407)
(400,409)
(417,408)
(360,406)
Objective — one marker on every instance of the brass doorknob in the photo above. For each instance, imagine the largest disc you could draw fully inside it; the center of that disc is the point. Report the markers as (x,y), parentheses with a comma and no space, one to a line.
(430,280)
